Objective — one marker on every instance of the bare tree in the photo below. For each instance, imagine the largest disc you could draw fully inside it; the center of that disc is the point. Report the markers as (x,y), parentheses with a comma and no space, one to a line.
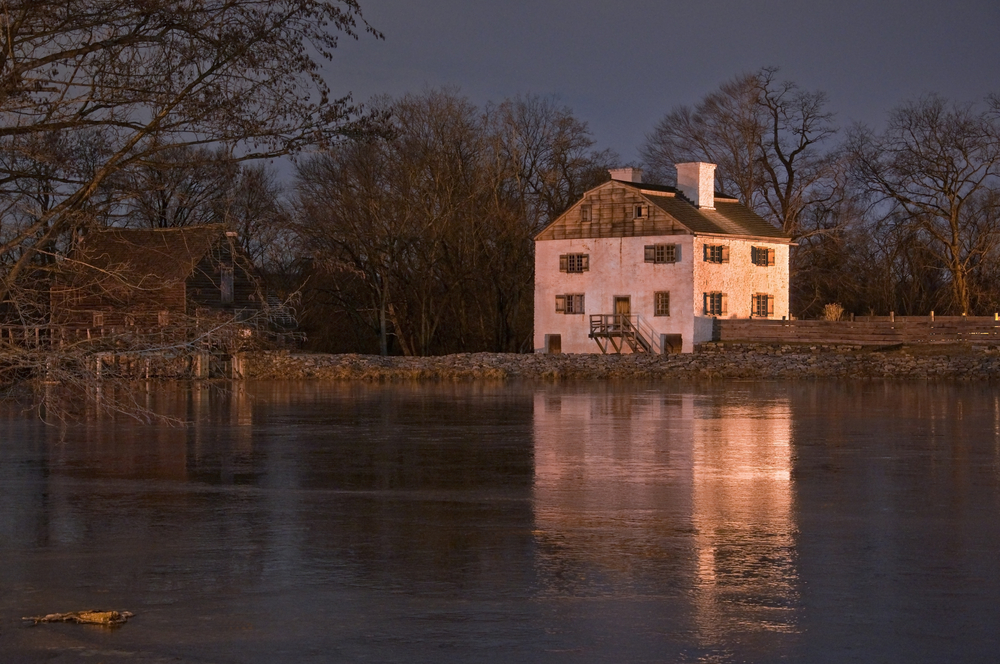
(434,223)
(546,155)
(182,186)
(92,92)
(933,173)
(150,77)
(725,128)
(767,138)
(349,223)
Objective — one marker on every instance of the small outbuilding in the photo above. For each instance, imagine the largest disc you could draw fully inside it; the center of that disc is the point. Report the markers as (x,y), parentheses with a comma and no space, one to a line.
(636,267)
(176,279)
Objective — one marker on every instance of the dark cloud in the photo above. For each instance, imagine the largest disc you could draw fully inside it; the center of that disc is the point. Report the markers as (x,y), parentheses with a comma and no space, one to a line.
(621,66)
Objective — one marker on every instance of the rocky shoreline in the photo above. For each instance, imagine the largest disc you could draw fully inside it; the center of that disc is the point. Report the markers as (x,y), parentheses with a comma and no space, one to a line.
(742,361)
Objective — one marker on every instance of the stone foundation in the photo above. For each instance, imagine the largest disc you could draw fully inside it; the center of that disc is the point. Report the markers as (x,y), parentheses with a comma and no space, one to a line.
(713,361)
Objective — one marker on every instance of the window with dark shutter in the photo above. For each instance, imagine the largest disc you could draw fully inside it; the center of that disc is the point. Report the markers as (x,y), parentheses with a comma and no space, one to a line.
(762,305)
(716,253)
(715,303)
(762,256)
(661,253)
(574,263)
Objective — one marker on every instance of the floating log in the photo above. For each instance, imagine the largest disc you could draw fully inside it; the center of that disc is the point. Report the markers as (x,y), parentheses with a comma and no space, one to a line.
(108,618)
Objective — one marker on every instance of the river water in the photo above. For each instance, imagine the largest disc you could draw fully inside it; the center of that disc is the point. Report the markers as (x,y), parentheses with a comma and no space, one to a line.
(312,522)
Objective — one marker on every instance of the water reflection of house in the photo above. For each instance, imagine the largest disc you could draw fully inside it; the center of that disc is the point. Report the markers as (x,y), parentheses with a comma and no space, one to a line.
(743,517)
(655,491)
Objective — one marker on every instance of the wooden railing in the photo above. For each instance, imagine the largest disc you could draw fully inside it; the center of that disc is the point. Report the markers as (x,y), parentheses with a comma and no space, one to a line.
(883,330)
(616,331)
(55,336)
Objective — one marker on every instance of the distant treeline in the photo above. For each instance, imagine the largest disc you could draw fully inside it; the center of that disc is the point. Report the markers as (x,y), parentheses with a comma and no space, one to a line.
(419,240)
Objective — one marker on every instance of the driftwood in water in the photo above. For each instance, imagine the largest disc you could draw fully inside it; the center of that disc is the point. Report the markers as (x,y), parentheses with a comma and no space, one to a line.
(109,618)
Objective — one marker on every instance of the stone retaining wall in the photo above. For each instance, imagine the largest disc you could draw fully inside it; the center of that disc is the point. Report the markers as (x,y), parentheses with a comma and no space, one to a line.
(713,360)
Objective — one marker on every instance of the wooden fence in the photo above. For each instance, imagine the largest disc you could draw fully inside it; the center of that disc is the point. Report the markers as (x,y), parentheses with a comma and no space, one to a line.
(51,336)
(870,330)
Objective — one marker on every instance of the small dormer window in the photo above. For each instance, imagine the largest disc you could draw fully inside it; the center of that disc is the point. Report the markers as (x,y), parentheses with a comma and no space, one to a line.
(586,213)
(226,285)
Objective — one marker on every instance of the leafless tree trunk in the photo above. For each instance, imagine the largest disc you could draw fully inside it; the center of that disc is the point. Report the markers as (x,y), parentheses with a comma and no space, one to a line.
(934,170)
(93,91)
(767,138)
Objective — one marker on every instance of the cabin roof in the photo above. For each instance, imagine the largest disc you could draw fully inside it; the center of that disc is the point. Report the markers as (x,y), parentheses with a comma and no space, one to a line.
(163,254)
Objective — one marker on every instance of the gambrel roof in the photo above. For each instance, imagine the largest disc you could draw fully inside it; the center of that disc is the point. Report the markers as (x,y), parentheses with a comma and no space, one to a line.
(669,213)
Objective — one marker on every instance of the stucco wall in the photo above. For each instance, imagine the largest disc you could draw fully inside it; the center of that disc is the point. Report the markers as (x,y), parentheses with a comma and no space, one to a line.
(740,279)
(617,269)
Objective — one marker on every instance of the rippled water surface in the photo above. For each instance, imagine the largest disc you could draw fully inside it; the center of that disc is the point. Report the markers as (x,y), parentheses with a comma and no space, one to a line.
(810,522)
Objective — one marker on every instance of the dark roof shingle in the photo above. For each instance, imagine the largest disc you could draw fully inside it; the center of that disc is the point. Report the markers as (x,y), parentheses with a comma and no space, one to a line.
(162,255)
(730,217)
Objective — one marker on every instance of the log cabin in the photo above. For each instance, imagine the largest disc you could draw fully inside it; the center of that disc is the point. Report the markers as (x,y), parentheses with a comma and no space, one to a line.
(171,279)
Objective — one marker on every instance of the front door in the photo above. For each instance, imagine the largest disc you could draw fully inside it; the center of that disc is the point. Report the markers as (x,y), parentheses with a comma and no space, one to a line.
(623,307)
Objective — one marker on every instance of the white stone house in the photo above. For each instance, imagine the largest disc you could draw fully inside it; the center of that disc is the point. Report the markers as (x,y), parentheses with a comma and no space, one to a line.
(636,267)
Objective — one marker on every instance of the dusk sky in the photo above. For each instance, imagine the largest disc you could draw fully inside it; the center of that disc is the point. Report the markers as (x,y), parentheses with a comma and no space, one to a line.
(622,66)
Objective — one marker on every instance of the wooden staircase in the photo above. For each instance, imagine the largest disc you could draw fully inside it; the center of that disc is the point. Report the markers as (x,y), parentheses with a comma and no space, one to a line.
(615,332)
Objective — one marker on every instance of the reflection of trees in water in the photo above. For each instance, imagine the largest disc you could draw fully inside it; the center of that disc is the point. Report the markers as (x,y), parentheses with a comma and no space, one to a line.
(400,484)
(430,487)
(650,493)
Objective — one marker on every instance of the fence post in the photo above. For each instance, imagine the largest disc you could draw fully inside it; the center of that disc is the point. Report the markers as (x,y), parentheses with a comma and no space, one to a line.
(892,316)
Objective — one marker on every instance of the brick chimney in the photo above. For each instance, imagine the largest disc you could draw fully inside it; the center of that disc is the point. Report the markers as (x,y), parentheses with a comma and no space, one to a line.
(626,174)
(696,180)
